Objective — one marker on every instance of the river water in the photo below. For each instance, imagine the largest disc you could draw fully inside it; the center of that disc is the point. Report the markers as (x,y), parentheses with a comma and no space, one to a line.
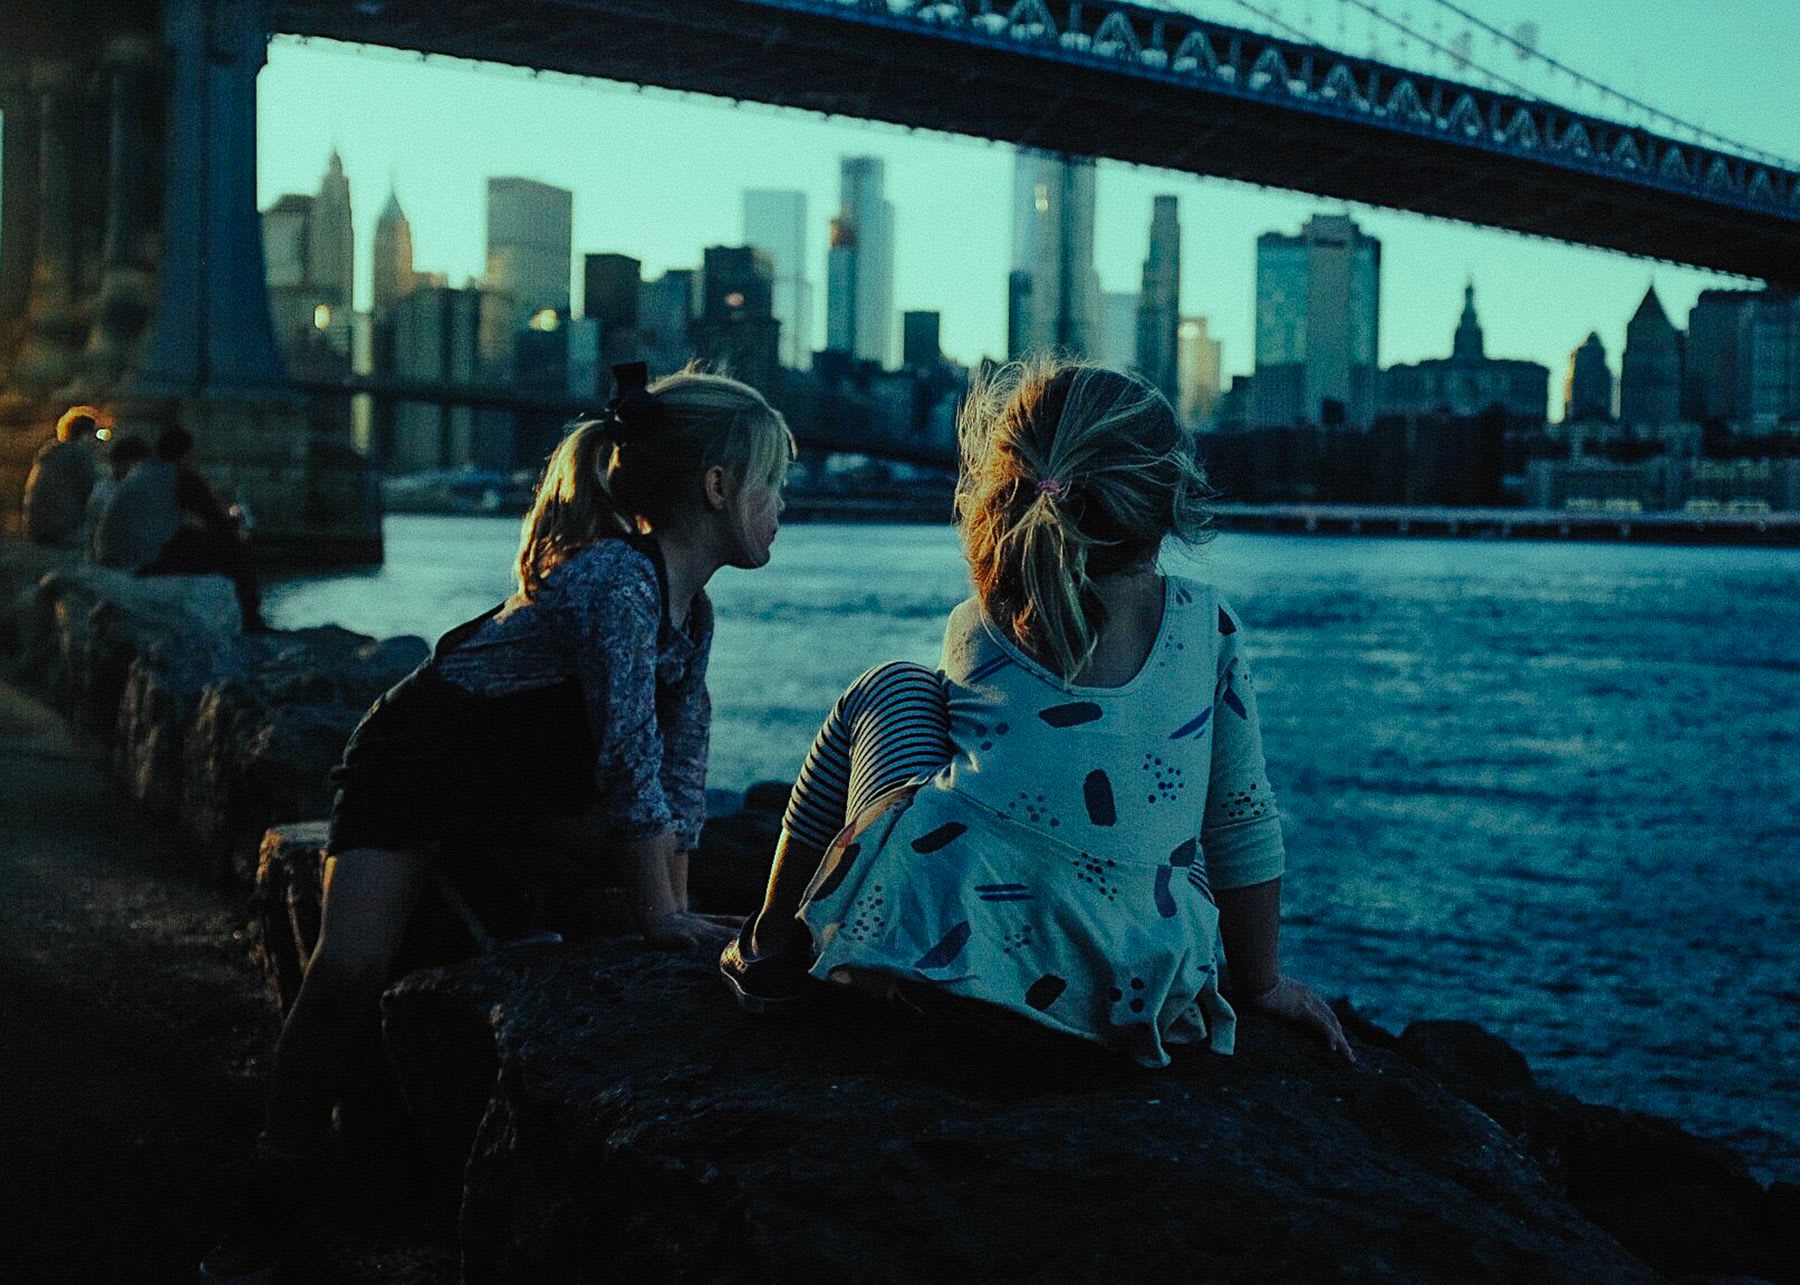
(1551,788)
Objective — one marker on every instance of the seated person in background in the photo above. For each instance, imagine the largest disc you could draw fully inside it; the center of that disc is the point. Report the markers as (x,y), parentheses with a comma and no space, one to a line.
(62,477)
(164,520)
(122,455)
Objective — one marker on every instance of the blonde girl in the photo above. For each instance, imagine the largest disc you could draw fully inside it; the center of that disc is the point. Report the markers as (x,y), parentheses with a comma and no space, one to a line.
(1059,829)
(581,699)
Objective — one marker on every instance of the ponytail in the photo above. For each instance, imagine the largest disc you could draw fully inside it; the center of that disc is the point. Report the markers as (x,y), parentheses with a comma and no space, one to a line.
(1070,473)
(596,485)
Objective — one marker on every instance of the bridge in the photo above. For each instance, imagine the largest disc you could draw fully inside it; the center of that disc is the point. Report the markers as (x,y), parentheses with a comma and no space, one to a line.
(131,269)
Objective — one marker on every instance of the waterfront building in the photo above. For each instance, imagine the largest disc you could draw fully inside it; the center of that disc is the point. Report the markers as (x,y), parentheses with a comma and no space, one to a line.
(1159,303)
(1709,376)
(920,345)
(438,338)
(309,268)
(859,287)
(1588,387)
(1053,302)
(331,255)
(736,331)
(1468,381)
(1650,369)
(1318,310)
(1769,362)
(775,222)
(611,294)
(391,277)
(1118,329)
(530,238)
(1198,373)
(665,312)
(1663,483)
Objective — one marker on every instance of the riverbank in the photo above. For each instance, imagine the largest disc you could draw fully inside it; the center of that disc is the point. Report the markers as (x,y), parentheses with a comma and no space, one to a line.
(136,1028)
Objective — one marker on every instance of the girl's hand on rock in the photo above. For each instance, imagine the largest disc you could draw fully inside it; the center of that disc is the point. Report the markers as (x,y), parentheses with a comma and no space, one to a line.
(1290,1001)
(683,930)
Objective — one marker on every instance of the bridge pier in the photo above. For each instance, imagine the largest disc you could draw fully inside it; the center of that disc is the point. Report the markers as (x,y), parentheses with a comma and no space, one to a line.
(131,264)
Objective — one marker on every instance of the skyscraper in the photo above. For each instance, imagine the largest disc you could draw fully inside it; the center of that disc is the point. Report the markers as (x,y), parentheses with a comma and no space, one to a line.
(665,313)
(530,229)
(1318,316)
(1710,374)
(859,286)
(1054,292)
(920,347)
(1159,306)
(1118,329)
(331,251)
(1588,389)
(1769,361)
(392,277)
(1650,370)
(1197,355)
(775,223)
(736,329)
(611,288)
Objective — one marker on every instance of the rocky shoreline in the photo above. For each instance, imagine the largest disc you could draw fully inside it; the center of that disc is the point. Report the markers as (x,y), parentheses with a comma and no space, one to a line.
(597,1113)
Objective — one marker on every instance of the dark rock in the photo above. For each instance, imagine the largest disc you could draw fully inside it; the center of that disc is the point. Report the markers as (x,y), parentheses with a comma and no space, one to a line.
(640,1128)
(729,871)
(768,796)
(1684,1204)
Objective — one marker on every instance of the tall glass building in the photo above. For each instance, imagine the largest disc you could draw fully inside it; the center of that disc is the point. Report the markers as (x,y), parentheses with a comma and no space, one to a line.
(1318,319)
(1054,293)
(859,277)
(775,223)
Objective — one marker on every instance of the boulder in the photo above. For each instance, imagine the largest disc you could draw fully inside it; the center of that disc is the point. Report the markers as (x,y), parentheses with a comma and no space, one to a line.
(625,1122)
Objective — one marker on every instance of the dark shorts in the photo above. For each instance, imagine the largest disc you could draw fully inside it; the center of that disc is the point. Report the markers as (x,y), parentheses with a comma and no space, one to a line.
(431,763)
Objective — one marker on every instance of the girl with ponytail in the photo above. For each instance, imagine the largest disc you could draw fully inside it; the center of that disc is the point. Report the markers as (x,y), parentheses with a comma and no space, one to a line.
(1063,828)
(577,707)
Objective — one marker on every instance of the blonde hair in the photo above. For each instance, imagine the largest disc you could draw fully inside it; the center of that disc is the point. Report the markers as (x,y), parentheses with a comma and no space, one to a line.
(594,486)
(1070,472)
(93,415)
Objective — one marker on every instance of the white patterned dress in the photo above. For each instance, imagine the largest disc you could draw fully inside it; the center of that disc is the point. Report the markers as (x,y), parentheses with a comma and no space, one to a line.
(1062,865)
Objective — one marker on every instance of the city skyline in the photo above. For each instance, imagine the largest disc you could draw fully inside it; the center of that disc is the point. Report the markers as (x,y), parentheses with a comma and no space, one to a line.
(1540,298)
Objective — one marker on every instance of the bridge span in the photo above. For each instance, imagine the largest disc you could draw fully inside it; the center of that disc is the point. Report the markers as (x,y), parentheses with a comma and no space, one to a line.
(1151,86)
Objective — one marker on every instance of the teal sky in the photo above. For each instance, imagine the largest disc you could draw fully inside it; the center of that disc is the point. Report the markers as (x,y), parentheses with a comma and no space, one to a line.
(660,175)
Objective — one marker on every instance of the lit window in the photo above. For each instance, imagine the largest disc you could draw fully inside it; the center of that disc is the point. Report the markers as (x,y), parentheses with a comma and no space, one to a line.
(544,319)
(735,299)
(322,317)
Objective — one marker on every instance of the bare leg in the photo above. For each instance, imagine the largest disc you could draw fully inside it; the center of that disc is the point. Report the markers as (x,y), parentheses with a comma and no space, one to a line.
(369,897)
(777,926)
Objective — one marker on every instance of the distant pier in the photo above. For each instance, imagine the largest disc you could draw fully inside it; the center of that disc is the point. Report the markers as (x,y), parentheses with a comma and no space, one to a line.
(1713,527)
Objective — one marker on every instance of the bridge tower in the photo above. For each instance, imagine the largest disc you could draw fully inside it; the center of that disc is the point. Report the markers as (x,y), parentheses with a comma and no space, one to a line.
(131,262)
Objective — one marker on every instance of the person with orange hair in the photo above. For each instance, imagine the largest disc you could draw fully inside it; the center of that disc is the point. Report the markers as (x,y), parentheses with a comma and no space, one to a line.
(62,477)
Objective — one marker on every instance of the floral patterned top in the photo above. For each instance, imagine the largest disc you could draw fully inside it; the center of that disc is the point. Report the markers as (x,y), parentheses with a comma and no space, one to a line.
(602,617)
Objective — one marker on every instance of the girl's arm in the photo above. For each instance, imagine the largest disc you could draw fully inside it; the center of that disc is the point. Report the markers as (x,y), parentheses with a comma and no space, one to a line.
(1241,843)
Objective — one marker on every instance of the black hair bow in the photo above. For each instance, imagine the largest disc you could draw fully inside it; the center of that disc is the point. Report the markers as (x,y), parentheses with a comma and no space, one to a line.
(634,412)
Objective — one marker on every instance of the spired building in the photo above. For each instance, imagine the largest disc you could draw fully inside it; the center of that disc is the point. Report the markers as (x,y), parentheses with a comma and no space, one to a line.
(1468,382)
(530,234)
(391,278)
(859,272)
(1318,310)
(1159,304)
(1588,388)
(775,223)
(309,264)
(1650,371)
(1053,291)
